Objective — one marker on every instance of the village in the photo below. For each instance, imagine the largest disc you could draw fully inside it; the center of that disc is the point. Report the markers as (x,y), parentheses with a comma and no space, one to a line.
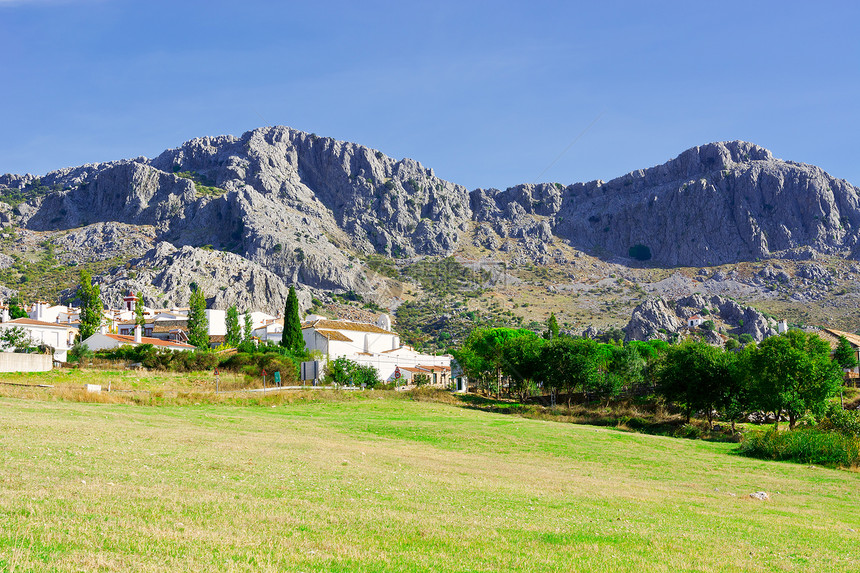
(56,329)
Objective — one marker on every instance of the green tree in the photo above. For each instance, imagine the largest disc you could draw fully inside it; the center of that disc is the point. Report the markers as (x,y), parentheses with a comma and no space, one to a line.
(694,375)
(474,366)
(570,363)
(736,397)
(249,327)
(198,324)
(552,329)
(792,373)
(16,308)
(488,343)
(139,319)
(521,362)
(234,331)
(627,366)
(292,336)
(92,309)
(16,338)
(844,354)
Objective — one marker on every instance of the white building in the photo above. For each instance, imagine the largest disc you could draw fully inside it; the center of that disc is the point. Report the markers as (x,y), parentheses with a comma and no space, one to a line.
(59,336)
(104,341)
(695,321)
(371,345)
(271,330)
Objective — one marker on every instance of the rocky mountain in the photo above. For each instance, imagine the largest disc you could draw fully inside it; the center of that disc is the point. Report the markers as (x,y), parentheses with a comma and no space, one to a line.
(714,204)
(277,206)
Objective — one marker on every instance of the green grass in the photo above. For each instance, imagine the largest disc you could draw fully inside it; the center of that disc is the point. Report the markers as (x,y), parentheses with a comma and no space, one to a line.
(382,483)
(202,184)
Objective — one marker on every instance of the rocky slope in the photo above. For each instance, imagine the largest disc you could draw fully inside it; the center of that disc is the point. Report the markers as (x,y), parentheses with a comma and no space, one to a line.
(288,207)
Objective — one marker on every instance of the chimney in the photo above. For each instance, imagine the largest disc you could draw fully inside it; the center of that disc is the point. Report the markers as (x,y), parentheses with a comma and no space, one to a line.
(4,315)
(137,334)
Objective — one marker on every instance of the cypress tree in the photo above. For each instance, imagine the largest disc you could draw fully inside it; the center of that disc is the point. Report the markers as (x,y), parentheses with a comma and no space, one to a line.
(198,324)
(552,329)
(91,305)
(249,326)
(234,331)
(292,336)
(138,310)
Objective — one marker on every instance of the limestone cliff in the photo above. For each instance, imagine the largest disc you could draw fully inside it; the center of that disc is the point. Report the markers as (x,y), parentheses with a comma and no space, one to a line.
(306,208)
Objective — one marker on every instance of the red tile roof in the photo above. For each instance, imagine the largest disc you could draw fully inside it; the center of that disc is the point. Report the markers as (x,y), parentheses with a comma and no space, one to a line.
(31,322)
(152,341)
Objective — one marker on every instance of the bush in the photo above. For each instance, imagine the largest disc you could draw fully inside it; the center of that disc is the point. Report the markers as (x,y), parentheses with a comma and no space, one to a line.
(846,422)
(162,359)
(79,352)
(688,431)
(344,372)
(812,446)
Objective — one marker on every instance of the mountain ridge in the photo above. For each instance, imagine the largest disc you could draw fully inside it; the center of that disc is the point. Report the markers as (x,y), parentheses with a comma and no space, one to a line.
(310,210)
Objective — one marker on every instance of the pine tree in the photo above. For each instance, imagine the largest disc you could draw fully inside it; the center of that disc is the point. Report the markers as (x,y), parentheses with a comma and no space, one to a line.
(138,310)
(234,331)
(198,324)
(91,305)
(844,355)
(292,335)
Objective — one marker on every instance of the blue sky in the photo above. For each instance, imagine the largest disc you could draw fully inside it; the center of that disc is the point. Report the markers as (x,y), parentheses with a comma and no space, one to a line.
(488,94)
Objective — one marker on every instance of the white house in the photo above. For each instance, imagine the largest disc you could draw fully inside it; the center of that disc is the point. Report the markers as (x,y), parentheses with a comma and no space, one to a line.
(59,336)
(43,312)
(102,341)
(271,330)
(371,345)
(695,321)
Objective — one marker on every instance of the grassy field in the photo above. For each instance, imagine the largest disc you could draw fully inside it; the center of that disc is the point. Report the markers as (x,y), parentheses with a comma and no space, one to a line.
(382,483)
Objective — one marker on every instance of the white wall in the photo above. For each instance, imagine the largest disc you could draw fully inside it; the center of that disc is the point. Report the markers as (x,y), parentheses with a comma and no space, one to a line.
(218,322)
(14,362)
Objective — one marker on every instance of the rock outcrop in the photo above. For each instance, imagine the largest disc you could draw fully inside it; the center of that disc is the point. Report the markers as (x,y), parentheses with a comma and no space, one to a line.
(165,275)
(655,318)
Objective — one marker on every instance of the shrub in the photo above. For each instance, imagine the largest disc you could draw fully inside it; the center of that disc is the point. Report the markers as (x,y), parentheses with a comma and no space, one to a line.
(343,371)
(846,422)
(808,446)
(688,431)
(79,352)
